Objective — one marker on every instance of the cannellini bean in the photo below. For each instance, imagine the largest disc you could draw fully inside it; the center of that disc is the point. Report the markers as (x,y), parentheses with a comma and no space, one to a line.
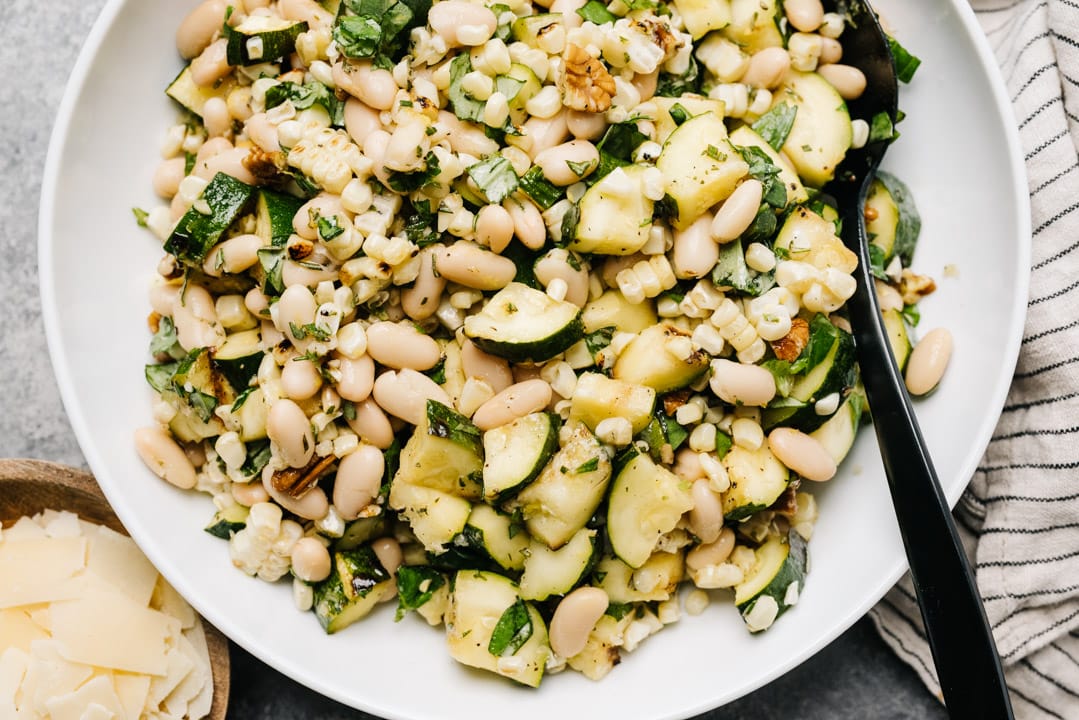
(195,317)
(586,125)
(802,453)
(300,379)
(322,205)
(712,553)
(167,177)
(262,132)
(569,9)
(388,552)
(928,361)
(164,296)
(555,265)
(295,309)
(231,163)
(360,120)
(290,430)
(196,31)
(421,300)
(404,394)
(357,378)
(209,150)
(371,424)
(256,302)
(646,85)
(312,505)
(359,477)
(687,465)
(494,227)
(740,384)
(848,80)
(464,138)
(737,211)
(164,457)
(215,117)
(706,517)
(472,266)
(767,68)
(234,255)
(574,619)
(527,222)
(310,560)
(515,401)
(569,162)
(248,494)
(494,371)
(451,19)
(545,133)
(695,252)
(804,15)
(401,345)
(307,11)
(211,65)
(831,51)
(374,86)
(293,273)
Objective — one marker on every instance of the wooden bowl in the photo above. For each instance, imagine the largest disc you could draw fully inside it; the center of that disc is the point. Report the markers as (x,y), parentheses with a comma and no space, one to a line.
(28,487)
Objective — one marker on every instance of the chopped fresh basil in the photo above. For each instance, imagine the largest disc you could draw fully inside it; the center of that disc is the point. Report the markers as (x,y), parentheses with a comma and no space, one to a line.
(724,442)
(597,12)
(731,270)
(444,422)
(495,177)
(271,260)
(348,409)
(438,372)
(587,466)
(781,373)
(165,341)
(305,96)
(713,152)
(517,523)
(580,169)
(665,209)
(775,125)
(912,315)
(379,29)
(140,216)
(504,31)
(882,129)
(618,610)
(599,339)
(189,162)
(822,335)
(420,228)
(416,584)
(310,329)
(328,227)
(203,404)
(258,454)
(241,399)
(568,228)
(406,182)
(679,114)
(160,376)
(511,631)
(905,63)
(537,187)
(763,169)
(616,147)
(466,107)
(678,85)
(876,261)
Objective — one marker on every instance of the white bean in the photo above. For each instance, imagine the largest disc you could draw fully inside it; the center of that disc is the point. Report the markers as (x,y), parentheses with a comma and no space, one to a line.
(527,222)
(359,477)
(586,125)
(695,252)
(404,394)
(310,560)
(737,383)
(211,65)
(802,453)
(848,81)
(712,553)
(164,457)
(767,68)
(449,17)
(323,205)
(545,133)
(371,424)
(494,227)
(290,430)
(706,517)
(555,265)
(312,505)
(232,256)
(215,117)
(195,317)
(262,132)
(464,138)
(374,86)
(196,31)
(167,177)
(515,401)
(248,494)
(300,379)
(295,309)
(804,15)
(388,552)
(494,371)
(928,361)
(574,619)
(231,163)
(569,162)
(737,211)
(307,11)
(687,465)
(357,378)
(360,120)
(421,300)
(472,266)
(831,51)
(401,345)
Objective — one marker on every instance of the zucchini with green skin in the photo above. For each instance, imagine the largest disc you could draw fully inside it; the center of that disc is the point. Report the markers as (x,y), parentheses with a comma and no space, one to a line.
(615,215)
(702,16)
(239,357)
(435,516)
(357,583)
(261,38)
(520,323)
(227,198)
(531,28)
(273,216)
(616,578)
(821,134)
(363,530)
(700,167)
(647,360)
(838,434)
(757,480)
(895,224)
(611,309)
(487,614)
(567,492)
(229,521)
(692,105)
(496,533)
(898,337)
(555,572)
(775,581)
(753,25)
(598,397)
(646,501)
(516,453)
(746,136)
(192,96)
(444,453)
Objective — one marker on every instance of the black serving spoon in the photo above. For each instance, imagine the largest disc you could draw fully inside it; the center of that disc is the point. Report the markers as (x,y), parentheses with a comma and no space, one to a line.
(965,654)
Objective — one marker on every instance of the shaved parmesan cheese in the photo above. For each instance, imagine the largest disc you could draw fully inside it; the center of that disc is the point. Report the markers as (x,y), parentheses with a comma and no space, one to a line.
(37,570)
(63,525)
(133,691)
(50,675)
(97,712)
(168,601)
(178,700)
(24,529)
(72,705)
(179,666)
(13,664)
(116,559)
(17,630)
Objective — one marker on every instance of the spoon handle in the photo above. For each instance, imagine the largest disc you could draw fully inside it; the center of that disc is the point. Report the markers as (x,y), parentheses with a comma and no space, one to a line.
(967,663)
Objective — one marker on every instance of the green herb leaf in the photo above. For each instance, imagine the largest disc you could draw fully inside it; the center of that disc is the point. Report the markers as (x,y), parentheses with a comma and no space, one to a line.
(822,335)
(271,261)
(541,190)
(310,329)
(597,12)
(438,372)
(241,399)
(328,228)
(258,454)
(348,409)
(713,152)
(882,129)
(616,148)
(203,404)
(379,29)
(775,125)
(189,162)
(599,339)
(679,114)
(876,262)
(587,466)
(305,96)
(912,315)
(569,224)
(165,341)
(511,631)
(444,422)
(619,610)
(580,169)
(407,182)
(724,443)
(678,85)
(466,107)
(763,169)
(495,177)
(905,63)
(140,216)
(160,376)
(358,37)
(420,227)
(781,372)
(416,584)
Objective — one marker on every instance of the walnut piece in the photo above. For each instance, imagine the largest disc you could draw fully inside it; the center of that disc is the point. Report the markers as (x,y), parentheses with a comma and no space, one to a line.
(587,85)
(791,345)
(913,287)
(266,167)
(295,482)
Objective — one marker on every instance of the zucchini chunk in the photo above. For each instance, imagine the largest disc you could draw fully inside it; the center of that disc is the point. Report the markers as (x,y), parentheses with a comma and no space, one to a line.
(746,136)
(436,517)
(261,38)
(647,360)
(487,614)
(253,414)
(898,337)
(530,28)
(647,501)
(519,85)
(193,97)
(601,653)
(363,530)
(555,572)
(495,532)
(229,521)
(516,453)
(444,453)
(273,216)
(599,397)
(702,16)
(615,215)
(617,578)
(520,323)
(611,309)
(356,584)
(753,25)
(774,583)
(757,477)
(700,167)
(239,357)
(567,492)
(692,104)
(837,435)
(896,223)
(822,133)
(196,233)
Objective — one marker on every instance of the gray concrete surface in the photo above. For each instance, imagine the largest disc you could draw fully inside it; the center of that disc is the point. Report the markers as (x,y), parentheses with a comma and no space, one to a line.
(855,678)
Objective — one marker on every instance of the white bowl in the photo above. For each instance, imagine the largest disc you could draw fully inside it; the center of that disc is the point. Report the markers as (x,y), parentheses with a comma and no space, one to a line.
(959,153)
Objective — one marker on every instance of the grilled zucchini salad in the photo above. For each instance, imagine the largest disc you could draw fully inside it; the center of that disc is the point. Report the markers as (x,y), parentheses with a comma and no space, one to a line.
(529,317)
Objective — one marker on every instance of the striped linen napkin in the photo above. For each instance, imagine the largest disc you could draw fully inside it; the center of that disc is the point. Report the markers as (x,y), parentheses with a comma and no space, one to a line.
(1020,515)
